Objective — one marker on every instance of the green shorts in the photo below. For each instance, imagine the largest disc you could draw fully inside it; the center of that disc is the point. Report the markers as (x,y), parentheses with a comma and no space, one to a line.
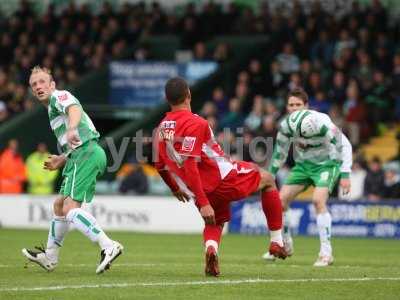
(80,172)
(307,174)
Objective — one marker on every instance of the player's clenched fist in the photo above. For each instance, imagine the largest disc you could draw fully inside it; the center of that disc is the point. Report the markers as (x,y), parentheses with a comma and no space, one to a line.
(207,212)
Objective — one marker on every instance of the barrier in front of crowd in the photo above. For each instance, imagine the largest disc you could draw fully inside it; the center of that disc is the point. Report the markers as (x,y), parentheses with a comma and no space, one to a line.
(127,213)
(361,219)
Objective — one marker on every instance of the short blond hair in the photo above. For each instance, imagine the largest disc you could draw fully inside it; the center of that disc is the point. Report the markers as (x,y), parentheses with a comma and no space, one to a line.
(38,69)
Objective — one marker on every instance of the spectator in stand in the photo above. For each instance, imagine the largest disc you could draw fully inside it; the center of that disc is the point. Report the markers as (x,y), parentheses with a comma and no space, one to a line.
(338,91)
(254,118)
(319,102)
(379,103)
(222,53)
(40,181)
(289,62)
(392,181)
(200,52)
(234,118)
(209,110)
(256,77)
(220,100)
(12,170)
(354,112)
(132,178)
(374,181)
(3,112)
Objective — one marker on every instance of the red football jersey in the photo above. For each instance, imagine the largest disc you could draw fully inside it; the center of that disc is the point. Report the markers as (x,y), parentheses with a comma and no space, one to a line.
(183,134)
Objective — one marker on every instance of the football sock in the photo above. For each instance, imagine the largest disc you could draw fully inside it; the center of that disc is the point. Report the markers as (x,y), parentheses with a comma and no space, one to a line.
(324,223)
(286,225)
(272,207)
(58,229)
(87,224)
(212,236)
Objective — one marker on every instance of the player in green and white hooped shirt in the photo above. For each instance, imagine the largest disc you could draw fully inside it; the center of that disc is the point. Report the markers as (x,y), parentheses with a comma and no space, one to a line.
(83,161)
(322,155)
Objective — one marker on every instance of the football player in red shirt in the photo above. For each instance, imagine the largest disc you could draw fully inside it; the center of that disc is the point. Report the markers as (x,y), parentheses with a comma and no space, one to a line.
(193,165)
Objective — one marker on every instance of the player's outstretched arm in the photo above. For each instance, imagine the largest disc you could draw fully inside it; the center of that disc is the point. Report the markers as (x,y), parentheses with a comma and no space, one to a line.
(281,150)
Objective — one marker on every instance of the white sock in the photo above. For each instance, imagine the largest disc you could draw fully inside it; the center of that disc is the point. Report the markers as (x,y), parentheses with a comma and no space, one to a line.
(276,236)
(286,225)
(211,243)
(324,223)
(58,229)
(87,224)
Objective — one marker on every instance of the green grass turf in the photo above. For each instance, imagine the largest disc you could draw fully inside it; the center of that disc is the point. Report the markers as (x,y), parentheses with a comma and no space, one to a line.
(157,259)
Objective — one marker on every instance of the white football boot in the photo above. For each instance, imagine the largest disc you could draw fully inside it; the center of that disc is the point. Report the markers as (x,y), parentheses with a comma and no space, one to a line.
(324,261)
(268,257)
(288,244)
(108,255)
(39,257)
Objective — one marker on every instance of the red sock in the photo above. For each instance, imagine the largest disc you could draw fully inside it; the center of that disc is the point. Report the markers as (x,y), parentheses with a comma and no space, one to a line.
(212,232)
(272,207)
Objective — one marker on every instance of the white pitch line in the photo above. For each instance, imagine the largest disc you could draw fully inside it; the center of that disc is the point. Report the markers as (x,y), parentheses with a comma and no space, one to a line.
(191,283)
(188,264)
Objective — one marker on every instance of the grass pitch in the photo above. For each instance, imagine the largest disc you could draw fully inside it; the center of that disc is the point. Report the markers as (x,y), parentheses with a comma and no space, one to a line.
(171,267)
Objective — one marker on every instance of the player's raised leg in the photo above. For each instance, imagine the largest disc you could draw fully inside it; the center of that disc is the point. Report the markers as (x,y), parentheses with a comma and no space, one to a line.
(212,238)
(324,224)
(48,258)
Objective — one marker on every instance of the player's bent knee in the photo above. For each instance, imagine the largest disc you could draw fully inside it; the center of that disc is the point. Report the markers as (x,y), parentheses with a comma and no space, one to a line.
(267,180)
(58,206)
(70,204)
(320,206)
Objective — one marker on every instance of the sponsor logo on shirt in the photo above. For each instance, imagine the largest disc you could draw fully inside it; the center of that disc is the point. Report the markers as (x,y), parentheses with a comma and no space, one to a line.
(62,97)
(188,143)
(168,124)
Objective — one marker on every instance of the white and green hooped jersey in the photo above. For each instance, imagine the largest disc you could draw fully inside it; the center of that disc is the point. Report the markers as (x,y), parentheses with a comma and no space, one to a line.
(58,103)
(327,142)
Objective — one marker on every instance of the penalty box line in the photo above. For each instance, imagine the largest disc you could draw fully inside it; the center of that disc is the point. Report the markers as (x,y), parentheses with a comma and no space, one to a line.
(192,283)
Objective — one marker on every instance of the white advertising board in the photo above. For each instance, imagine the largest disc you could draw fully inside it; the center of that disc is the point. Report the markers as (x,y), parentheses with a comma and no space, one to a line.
(127,213)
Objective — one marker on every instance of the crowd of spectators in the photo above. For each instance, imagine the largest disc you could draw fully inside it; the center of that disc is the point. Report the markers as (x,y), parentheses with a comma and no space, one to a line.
(349,65)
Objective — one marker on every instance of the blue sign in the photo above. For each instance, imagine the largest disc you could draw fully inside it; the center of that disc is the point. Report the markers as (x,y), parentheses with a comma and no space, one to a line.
(141,84)
(363,219)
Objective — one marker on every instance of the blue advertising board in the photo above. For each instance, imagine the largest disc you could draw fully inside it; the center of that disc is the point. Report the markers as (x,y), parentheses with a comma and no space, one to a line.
(362,219)
(141,84)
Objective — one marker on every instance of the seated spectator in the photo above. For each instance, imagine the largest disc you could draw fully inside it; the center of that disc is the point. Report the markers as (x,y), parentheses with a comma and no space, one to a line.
(234,117)
(288,60)
(220,100)
(209,109)
(40,181)
(253,120)
(392,182)
(12,170)
(221,53)
(132,178)
(3,112)
(320,103)
(338,91)
(374,181)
